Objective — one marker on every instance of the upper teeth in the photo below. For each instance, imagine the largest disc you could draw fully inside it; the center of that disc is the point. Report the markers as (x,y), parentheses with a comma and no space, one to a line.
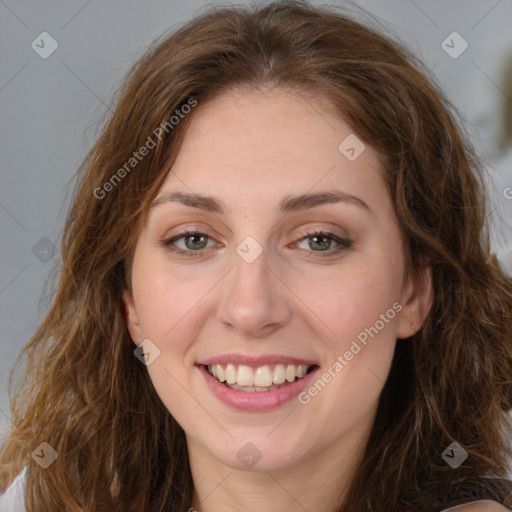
(262,376)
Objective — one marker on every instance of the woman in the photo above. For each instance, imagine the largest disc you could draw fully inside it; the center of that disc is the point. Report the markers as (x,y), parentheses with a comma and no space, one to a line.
(277,291)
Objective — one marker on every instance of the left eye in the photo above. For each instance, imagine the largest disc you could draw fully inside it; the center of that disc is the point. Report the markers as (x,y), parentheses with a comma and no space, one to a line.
(321,242)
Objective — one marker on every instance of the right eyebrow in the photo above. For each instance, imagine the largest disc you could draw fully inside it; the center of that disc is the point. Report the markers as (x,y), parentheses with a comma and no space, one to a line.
(202,202)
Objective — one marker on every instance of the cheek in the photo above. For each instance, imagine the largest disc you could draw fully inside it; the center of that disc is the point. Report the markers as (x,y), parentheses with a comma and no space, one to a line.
(169,306)
(356,312)
(358,328)
(350,299)
(165,297)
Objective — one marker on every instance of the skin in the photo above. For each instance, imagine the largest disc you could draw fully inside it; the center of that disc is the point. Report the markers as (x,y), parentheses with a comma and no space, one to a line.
(250,149)
(480,506)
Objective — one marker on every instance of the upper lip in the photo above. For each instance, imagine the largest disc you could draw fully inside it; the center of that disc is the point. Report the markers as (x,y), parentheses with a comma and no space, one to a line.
(255,361)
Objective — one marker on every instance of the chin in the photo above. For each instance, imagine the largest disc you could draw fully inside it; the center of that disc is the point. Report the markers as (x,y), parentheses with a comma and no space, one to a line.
(256,451)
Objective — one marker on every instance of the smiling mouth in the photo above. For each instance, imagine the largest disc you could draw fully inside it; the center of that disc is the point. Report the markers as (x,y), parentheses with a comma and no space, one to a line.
(261,378)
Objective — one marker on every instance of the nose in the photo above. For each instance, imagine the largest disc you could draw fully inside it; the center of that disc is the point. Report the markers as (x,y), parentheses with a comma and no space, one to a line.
(254,300)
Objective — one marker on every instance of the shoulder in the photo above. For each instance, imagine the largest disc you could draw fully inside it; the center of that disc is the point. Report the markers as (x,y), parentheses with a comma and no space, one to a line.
(479,506)
(12,500)
(482,494)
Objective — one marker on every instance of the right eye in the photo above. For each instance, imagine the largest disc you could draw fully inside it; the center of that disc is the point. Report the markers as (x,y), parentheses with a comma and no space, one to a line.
(187,243)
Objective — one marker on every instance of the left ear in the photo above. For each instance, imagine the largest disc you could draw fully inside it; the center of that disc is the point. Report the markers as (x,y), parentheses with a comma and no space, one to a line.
(131,317)
(417,299)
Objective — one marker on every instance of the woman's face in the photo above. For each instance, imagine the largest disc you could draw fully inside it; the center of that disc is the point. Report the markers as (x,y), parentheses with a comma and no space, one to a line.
(295,264)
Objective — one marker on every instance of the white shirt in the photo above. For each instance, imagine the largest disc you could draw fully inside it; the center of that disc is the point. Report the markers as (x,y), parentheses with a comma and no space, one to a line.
(12,500)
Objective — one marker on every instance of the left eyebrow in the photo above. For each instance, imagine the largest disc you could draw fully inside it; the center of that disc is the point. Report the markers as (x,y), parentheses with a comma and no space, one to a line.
(286,205)
(306,201)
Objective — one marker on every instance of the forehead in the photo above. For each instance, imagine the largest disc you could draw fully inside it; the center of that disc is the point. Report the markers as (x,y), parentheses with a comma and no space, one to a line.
(265,145)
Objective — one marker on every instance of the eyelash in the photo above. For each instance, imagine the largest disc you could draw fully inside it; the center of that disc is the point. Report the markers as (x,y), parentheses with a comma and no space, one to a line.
(343,244)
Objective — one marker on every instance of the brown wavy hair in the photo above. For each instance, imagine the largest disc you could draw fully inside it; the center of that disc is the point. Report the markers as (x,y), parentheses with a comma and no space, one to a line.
(85,393)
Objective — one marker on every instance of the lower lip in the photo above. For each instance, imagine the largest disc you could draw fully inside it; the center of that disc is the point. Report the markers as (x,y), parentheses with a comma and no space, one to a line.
(256,400)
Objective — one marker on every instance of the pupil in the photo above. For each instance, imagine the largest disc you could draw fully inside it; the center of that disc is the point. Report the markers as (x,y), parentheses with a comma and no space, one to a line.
(326,240)
(193,244)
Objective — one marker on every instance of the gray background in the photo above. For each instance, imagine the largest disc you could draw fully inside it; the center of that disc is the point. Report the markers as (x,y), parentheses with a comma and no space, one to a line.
(50,109)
